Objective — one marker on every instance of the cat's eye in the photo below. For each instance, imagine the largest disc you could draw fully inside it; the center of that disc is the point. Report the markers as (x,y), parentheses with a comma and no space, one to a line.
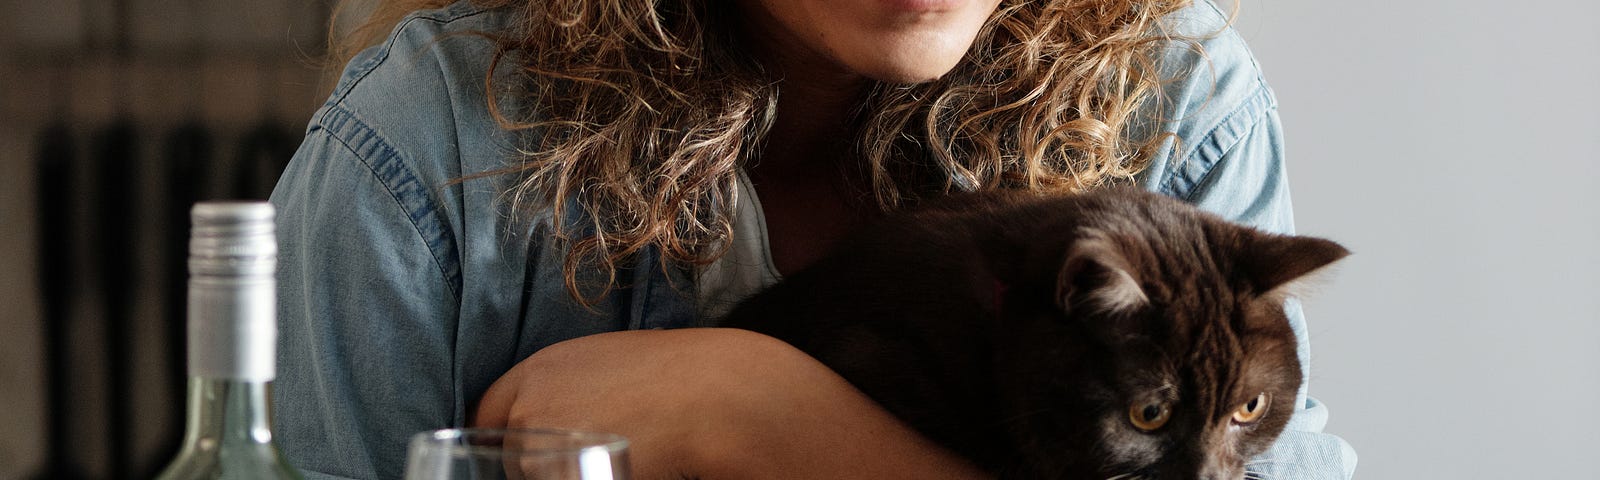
(1149,416)
(1253,409)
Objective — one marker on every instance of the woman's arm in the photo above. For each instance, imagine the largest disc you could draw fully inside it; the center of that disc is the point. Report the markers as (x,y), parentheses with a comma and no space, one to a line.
(366,317)
(1229,159)
(714,404)
(1248,183)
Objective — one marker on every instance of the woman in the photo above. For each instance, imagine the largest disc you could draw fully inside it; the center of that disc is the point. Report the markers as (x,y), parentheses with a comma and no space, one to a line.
(495,178)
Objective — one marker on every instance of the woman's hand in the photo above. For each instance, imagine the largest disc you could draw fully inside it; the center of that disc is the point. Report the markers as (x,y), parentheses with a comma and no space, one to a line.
(714,404)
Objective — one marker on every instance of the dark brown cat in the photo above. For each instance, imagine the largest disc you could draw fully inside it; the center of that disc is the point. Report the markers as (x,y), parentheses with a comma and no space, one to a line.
(1114,334)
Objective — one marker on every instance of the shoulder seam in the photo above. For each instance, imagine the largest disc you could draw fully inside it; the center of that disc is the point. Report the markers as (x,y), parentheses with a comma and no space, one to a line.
(343,89)
(1194,165)
(403,187)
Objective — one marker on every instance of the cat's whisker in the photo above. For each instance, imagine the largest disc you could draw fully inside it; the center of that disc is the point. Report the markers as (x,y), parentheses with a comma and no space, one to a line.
(1251,475)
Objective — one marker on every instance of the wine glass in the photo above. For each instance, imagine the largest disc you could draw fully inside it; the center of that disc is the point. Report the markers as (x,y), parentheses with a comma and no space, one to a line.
(516,454)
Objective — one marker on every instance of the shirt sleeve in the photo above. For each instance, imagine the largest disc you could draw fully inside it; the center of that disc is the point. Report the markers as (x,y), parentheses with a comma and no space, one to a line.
(1245,181)
(366,311)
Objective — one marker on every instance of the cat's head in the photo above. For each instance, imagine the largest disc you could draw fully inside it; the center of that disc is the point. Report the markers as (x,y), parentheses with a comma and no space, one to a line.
(1164,351)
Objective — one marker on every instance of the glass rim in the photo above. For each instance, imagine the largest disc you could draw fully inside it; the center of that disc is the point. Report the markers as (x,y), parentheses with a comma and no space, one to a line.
(581,441)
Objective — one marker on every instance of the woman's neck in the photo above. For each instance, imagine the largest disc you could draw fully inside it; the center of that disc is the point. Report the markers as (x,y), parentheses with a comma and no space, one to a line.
(800,170)
(816,97)
(812,130)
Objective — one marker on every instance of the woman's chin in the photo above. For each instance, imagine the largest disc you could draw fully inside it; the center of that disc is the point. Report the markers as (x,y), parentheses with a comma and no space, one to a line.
(914,68)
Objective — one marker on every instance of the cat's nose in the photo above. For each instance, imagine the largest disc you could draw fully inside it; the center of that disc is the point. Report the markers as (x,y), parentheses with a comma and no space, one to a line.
(1218,476)
(1210,467)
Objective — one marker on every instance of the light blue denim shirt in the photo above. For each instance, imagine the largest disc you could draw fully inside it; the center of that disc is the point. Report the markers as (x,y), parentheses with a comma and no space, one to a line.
(404,294)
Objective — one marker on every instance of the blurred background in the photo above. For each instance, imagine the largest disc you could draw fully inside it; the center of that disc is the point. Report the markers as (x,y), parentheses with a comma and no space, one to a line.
(1452,144)
(114,116)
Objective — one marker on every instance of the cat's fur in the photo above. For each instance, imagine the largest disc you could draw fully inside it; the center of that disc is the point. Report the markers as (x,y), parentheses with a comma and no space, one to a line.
(1018,331)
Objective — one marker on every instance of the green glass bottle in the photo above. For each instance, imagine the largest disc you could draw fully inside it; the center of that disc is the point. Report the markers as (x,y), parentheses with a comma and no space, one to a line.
(232,340)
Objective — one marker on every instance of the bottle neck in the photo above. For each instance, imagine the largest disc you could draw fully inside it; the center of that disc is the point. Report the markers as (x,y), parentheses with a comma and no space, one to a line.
(233,327)
(226,412)
(232,342)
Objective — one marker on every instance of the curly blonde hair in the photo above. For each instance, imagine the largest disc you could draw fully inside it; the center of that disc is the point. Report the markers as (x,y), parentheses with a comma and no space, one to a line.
(646,110)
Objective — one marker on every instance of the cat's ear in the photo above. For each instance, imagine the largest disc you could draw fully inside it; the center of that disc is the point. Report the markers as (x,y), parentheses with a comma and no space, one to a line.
(1274,263)
(1096,274)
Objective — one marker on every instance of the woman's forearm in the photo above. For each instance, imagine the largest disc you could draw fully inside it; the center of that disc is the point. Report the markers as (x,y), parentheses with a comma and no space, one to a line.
(715,404)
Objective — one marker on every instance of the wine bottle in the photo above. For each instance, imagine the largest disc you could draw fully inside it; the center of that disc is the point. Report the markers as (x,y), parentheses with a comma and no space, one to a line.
(232,341)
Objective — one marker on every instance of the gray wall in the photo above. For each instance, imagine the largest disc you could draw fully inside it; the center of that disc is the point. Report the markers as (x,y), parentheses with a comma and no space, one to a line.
(1453,145)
